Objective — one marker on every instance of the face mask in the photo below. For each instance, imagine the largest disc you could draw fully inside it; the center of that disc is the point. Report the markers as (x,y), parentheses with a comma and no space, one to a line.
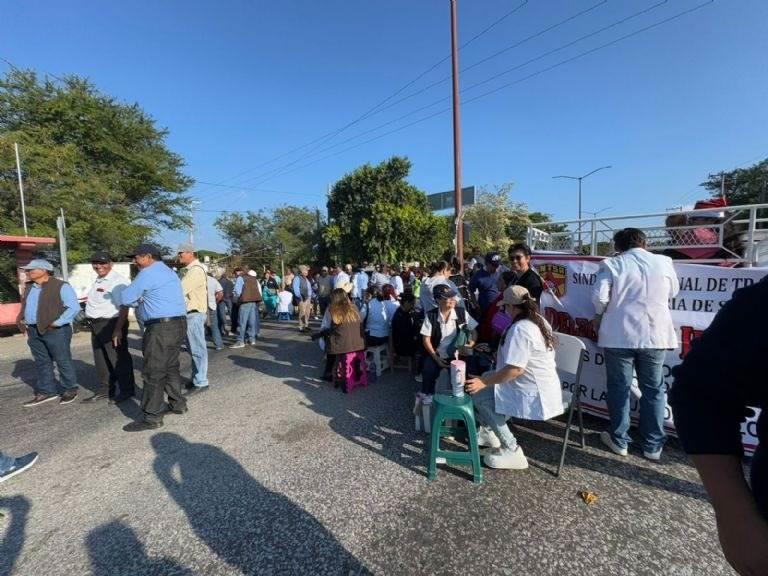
(500,322)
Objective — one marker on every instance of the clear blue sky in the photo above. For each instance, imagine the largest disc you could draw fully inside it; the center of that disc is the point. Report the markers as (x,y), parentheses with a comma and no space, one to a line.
(240,82)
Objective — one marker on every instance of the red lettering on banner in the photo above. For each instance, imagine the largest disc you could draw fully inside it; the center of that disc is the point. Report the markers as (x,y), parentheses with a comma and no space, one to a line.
(687,335)
(563,322)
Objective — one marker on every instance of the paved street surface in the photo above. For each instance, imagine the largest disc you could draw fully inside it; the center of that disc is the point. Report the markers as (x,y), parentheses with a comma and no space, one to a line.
(274,472)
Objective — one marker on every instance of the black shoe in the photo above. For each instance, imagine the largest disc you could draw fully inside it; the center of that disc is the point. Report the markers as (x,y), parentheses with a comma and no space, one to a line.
(195,390)
(120,399)
(179,411)
(96,397)
(142,426)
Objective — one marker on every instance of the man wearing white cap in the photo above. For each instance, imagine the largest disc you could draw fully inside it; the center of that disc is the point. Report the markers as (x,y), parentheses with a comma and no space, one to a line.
(194,284)
(48,308)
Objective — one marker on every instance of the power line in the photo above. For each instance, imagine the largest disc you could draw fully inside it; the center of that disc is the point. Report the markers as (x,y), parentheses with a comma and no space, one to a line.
(507,85)
(264,177)
(319,141)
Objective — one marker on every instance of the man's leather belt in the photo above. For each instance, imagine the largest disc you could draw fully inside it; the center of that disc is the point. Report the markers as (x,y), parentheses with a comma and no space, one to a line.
(163,320)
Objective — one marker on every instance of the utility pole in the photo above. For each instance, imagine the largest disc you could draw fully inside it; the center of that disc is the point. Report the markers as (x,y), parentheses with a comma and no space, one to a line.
(61,225)
(21,189)
(192,227)
(456,137)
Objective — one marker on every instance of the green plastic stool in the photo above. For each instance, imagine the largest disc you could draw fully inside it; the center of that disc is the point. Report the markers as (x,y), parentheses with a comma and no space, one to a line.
(447,407)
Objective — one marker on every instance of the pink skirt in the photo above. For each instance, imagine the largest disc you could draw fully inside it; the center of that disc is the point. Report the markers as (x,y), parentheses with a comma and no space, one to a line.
(351,371)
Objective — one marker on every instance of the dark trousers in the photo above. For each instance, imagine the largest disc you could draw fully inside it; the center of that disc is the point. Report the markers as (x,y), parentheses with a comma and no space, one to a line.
(113,365)
(760,479)
(430,372)
(53,346)
(161,346)
(234,316)
(222,309)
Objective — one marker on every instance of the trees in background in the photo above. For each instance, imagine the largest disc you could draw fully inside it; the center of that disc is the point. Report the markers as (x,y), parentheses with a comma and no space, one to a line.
(496,222)
(742,185)
(104,162)
(375,215)
(261,237)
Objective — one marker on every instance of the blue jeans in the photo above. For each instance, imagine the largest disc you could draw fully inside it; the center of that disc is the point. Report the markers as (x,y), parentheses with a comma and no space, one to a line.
(53,346)
(213,321)
(197,348)
(6,463)
(649,365)
(248,323)
(223,309)
(485,406)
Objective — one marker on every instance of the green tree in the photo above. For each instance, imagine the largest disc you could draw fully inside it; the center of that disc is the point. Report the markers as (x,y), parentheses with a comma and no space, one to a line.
(258,237)
(742,185)
(376,215)
(104,162)
(496,222)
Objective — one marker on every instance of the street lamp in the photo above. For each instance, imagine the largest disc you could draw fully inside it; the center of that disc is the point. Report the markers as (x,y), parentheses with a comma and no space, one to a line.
(580,178)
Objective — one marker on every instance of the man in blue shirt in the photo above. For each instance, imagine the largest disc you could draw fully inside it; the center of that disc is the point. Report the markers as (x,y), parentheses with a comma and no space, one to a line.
(158,290)
(302,290)
(48,308)
(486,281)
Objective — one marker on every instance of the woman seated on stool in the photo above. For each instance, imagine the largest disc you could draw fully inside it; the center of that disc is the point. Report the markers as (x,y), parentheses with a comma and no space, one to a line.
(376,320)
(524,385)
(440,331)
(344,342)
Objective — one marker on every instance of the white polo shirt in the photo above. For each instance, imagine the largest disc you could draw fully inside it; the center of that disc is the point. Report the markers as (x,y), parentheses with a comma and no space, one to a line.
(103,295)
(448,329)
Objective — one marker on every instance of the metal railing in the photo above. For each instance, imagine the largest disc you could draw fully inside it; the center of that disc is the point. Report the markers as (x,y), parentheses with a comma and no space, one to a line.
(734,239)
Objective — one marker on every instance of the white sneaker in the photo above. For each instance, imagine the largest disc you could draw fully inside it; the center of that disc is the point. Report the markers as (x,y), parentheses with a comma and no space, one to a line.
(418,378)
(237,345)
(506,459)
(605,438)
(486,437)
(655,456)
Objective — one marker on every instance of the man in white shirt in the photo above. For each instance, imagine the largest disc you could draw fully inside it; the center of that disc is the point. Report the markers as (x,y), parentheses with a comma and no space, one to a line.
(631,298)
(109,338)
(341,277)
(215,295)
(396,281)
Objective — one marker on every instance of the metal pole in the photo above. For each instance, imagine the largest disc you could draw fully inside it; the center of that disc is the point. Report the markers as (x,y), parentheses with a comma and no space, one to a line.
(580,179)
(456,137)
(21,189)
(62,226)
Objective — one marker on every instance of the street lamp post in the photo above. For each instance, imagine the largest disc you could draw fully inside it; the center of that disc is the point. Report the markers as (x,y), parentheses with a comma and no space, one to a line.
(580,178)
(456,136)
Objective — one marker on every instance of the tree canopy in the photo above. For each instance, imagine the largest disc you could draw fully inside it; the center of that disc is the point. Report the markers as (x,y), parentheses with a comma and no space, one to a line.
(104,162)
(258,237)
(375,214)
(742,185)
(496,222)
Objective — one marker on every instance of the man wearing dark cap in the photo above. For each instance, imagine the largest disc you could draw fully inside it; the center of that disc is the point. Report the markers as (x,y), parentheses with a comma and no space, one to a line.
(486,281)
(109,339)
(156,291)
(48,308)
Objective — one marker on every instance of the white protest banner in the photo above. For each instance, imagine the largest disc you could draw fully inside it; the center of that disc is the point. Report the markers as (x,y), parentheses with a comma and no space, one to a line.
(703,290)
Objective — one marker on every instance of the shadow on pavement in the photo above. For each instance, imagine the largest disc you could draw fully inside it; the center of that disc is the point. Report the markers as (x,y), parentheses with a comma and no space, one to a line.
(14,533)
(24,370)
(251,528)
(115,550)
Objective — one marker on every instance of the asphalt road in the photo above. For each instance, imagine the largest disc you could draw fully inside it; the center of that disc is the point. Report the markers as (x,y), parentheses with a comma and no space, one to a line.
(274,472)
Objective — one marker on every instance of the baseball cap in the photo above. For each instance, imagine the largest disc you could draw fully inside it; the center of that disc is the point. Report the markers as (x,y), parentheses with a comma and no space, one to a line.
(100,257)
(39,264)
(442,291)
(493,258)
(150,249)
(514,295)
(324,269)
(185,247)
(252,273)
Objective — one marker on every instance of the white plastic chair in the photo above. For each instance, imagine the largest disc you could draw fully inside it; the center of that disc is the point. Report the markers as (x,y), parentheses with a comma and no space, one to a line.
(569,357)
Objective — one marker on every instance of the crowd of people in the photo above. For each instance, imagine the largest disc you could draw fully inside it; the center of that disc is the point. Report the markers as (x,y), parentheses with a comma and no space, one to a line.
(487,313)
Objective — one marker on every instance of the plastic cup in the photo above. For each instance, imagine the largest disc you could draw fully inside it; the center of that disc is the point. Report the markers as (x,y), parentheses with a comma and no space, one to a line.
(458,377)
